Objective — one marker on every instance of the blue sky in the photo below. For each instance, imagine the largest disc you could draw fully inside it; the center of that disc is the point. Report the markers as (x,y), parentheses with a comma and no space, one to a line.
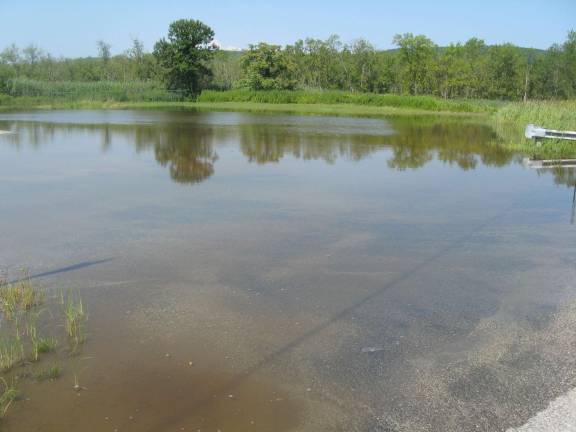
(71,28)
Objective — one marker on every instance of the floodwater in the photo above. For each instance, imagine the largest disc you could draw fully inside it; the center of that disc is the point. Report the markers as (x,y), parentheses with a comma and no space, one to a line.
(249,272)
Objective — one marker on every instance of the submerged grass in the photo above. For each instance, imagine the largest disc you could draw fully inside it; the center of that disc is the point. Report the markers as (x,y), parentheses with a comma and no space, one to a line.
(21,339)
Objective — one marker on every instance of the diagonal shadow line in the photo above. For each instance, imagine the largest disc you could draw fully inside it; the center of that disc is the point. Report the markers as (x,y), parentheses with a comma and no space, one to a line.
(272,357)
(69,268)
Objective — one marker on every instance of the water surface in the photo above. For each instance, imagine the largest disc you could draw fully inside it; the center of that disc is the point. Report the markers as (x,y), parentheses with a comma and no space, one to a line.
(273,272)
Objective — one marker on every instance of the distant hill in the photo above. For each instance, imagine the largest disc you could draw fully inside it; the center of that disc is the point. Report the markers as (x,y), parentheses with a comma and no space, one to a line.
(524,50)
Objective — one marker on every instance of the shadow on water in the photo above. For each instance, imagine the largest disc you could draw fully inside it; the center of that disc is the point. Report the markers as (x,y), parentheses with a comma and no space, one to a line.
(342,314)
(66,269)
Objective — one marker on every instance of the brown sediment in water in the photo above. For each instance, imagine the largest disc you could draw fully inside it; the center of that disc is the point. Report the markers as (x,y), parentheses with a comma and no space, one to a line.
(168,395)
(144,382)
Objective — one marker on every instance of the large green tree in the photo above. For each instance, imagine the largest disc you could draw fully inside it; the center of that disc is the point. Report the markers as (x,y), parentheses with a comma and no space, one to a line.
(268,67)
(416,55)
(318,62)
(505,72)
(184,56)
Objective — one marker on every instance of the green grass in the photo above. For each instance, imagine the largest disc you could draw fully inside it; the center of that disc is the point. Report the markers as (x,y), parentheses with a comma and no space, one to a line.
(512,118)
(323,109)
(34,91)
(425,103)
(303,109)
(549,114)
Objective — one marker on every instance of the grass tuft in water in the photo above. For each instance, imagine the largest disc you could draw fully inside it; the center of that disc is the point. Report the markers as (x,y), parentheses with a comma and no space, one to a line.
(46,345)
(8,395)
(50,373)
(41,345)
(75,319)
(21,339)
(19,296)
(11,352)
(32,332)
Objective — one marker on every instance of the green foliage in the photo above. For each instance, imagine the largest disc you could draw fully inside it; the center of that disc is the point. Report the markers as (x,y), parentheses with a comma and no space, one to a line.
(505,72)
(185,55)
(188,61)
(417,67)
(318,63)
(103,50)
(226,70)
(416,56)
(267,67)
(35,64)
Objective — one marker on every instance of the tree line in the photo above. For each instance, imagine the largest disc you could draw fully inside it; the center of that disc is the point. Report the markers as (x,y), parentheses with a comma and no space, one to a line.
(188,60)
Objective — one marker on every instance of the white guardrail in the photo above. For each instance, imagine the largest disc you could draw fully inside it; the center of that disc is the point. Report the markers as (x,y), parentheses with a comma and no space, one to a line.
(538,132)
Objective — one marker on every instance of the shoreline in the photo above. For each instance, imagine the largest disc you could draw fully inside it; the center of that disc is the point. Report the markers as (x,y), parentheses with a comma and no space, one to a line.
(295,108)
(508,122)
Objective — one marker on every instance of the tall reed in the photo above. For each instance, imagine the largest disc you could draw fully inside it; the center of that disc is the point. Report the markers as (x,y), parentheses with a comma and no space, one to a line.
(75,318)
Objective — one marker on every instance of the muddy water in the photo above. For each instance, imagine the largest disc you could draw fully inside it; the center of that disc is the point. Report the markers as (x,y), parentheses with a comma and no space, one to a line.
(249,272)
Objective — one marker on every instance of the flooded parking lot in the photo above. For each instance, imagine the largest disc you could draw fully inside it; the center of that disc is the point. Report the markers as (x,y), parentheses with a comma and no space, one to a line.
(248,272)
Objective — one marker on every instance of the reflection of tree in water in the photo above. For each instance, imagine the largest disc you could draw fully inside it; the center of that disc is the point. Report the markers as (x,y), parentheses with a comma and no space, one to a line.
(414,144)
(188,152)
(189,149)
(463,144)
(271,143)
(563,176)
